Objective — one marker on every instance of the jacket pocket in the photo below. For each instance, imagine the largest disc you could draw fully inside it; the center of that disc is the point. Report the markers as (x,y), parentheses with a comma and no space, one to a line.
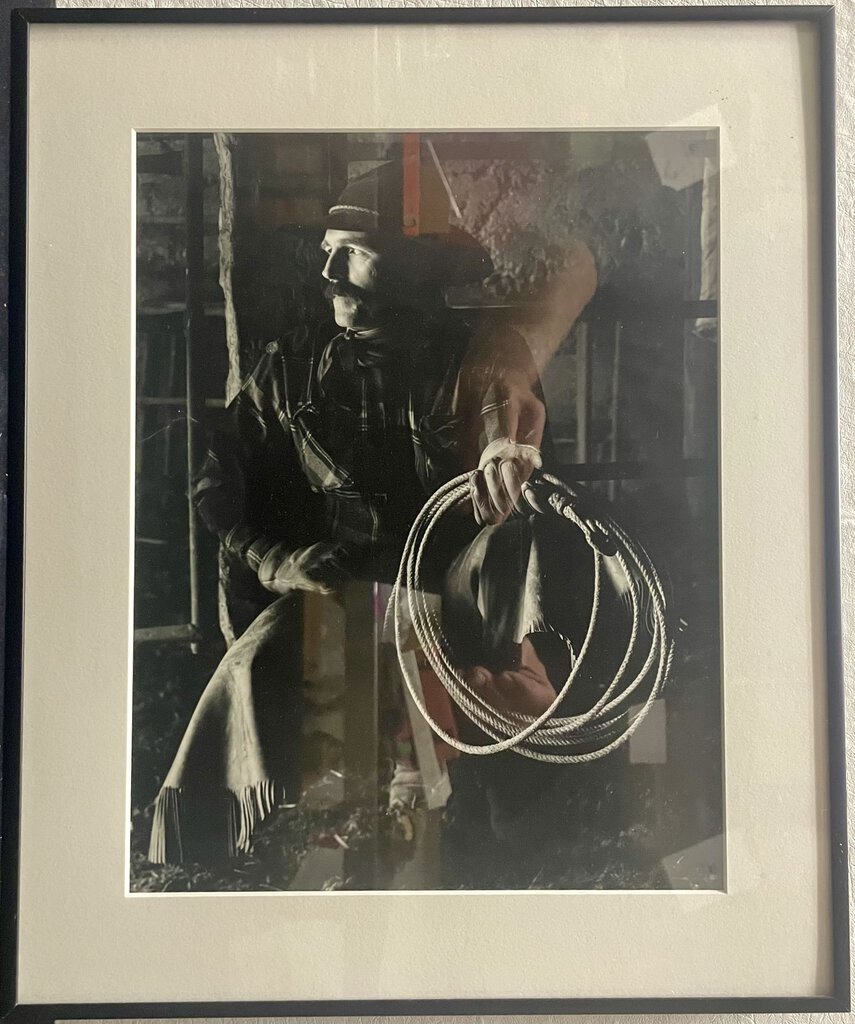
(321,469)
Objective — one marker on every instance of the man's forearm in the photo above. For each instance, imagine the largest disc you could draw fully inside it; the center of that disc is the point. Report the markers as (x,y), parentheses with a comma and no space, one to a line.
(247,543)
(560,305)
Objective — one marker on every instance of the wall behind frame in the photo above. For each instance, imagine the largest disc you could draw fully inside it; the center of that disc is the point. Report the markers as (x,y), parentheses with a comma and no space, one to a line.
(846,290)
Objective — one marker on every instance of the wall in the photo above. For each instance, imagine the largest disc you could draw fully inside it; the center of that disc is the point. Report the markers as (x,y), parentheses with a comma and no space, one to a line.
(846,212)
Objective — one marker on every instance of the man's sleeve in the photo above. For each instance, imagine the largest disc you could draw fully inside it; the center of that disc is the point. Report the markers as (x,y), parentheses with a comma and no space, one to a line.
(249,488)
(498,387)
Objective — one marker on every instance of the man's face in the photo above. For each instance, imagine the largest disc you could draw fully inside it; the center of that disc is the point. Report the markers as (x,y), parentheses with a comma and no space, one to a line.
(371,278)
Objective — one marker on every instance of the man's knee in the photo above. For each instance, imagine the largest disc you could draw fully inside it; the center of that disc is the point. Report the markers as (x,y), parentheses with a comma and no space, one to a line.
(273,636)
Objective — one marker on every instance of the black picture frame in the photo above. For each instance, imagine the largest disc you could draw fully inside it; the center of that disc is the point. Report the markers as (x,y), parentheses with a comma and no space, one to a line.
(21,21)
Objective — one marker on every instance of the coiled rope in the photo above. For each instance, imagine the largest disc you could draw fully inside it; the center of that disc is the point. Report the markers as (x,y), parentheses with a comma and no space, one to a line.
(606,724)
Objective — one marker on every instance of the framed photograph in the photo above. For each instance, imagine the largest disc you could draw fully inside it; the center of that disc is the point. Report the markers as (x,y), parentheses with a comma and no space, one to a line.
(423,547)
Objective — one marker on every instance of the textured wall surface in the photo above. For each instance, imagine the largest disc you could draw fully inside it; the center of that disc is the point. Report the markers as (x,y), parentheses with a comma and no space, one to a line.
(846,287)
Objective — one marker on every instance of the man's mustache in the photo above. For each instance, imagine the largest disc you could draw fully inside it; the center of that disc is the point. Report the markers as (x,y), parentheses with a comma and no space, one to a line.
(343,289)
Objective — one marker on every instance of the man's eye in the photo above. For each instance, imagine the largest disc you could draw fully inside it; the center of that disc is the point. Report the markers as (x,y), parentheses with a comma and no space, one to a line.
(356,252)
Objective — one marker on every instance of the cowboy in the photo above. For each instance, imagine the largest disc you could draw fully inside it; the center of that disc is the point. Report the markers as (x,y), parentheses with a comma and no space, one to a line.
(336,441)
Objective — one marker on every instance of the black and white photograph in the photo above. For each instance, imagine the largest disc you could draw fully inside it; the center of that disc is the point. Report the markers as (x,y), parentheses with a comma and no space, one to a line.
(426,582)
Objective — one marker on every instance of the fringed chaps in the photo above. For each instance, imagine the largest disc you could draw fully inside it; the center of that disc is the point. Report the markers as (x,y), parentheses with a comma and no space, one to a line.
(237,758)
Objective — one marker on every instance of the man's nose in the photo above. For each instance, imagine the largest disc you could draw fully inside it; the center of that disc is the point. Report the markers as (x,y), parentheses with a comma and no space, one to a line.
(335,268)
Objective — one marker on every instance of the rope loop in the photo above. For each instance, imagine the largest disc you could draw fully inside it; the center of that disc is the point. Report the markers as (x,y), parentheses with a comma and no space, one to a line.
(549,737)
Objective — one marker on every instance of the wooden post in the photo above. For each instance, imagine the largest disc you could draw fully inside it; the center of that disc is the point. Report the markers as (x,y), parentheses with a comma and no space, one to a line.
(615,405)
(583,393)
(143,341)
(361,729)
(226,228)
(412,183)
(194,336)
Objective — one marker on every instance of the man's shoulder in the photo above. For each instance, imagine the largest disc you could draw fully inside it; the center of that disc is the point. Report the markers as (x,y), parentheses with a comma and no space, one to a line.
(283,370)
(301,342)
(291,356)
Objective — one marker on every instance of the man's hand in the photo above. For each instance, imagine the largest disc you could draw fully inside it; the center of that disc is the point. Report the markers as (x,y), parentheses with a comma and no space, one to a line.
(515,419)
(320,568)
(515,692)
(524,690)
(498,487)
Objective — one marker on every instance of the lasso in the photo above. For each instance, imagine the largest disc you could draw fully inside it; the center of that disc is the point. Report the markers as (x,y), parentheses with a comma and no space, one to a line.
(604,726)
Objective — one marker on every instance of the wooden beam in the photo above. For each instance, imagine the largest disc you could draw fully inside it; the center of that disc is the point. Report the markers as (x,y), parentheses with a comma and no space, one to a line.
(184,633)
